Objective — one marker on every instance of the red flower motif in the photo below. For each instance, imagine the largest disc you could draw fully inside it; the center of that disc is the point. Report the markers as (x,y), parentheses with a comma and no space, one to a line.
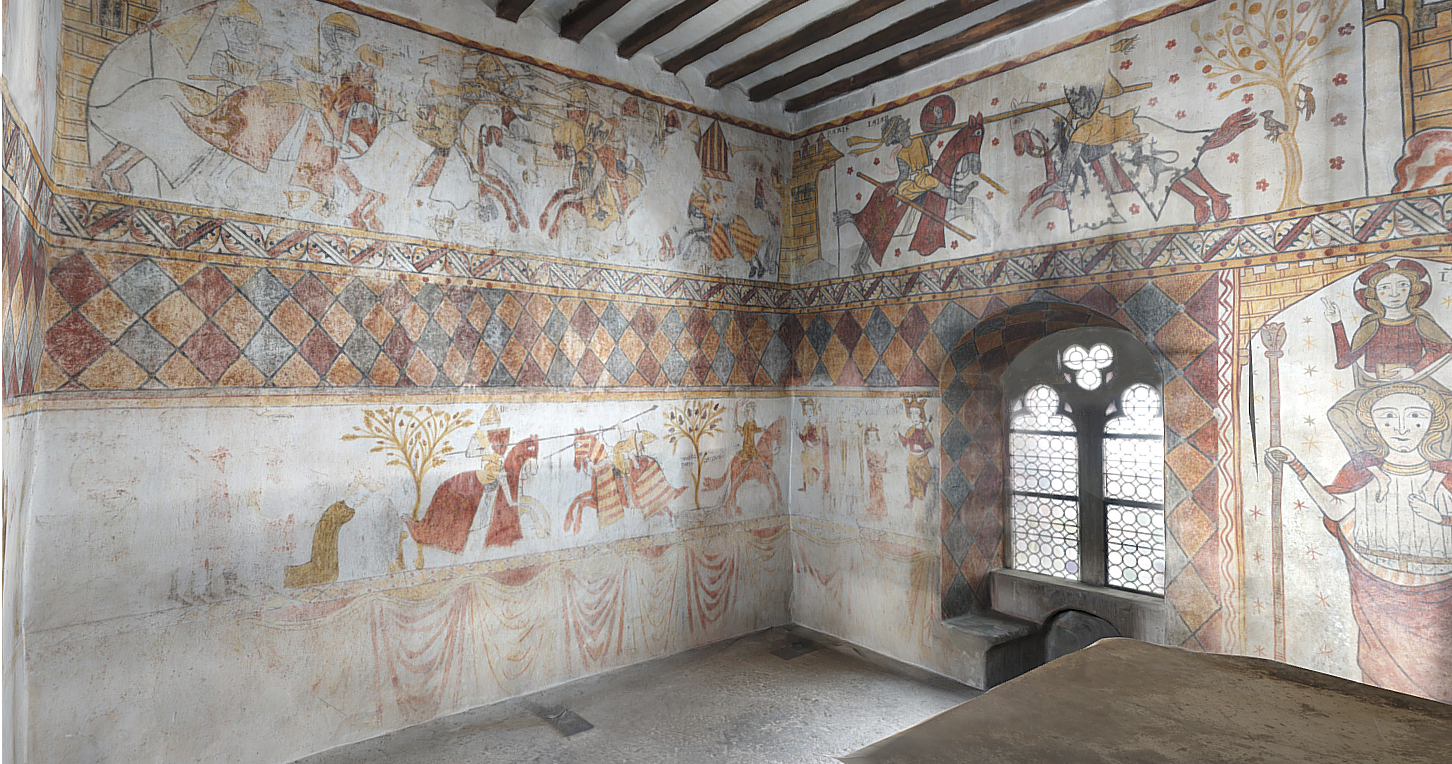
(1339,120)
(940,144)
(1180,114)
(1346,29)
(1125,64)
(859,197)
(954,245)
(1134,209)
(1043,85)
(1339,79)
(1154,101)
(1174,78)
(1211,86)
(1262,184)
(995,141)
(849,170)
(897,252)
(1337,163)
(877,161)
(1247,97)
(1051,225)
(989,196)
(1233,157)
(994,102)
(1170,45)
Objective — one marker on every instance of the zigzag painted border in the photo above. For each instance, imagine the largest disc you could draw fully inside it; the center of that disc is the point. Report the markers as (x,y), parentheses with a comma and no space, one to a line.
(76,218)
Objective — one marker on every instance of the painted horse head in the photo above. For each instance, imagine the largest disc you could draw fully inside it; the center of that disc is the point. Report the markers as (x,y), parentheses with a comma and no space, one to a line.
(585,445)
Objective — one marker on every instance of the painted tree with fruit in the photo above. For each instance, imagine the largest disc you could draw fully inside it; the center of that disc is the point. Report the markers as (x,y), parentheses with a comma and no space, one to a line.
(693,422)
(1270,43)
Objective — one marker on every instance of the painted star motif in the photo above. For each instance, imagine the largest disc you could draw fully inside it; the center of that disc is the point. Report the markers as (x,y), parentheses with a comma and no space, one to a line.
(1322,599)
(1308,319)
(1309,343)
(1336,385)
(1310,371)
(1313,553)
(1299,504)
(1309,420)
(1324,651)
(1311,444)
(1259,651)
(1447,301)
(1307,393)
(1255,512)
(1259,606)
(1258,557)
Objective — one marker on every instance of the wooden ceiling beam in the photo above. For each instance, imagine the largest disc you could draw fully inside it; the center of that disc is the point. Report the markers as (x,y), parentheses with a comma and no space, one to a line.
(902,31)
(511,10)
(813,33)
(586,16)
(1004,23)
(742,26)
(661,25)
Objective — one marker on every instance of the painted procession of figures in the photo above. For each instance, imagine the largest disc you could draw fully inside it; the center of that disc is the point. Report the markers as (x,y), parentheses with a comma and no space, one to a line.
(350,121)
(622,472)
(1390,506)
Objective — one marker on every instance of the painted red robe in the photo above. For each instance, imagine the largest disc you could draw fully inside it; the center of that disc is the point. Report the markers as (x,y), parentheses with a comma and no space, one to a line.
(1403,630)
(878,221)
(446,524)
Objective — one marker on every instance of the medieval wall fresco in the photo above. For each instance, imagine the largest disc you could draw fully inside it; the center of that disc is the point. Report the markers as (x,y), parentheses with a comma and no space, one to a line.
(1200,115)
(303,111)
(448,554)
(295,375)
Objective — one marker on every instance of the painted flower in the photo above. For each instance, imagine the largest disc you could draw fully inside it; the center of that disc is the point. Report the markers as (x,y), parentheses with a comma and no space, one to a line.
(954,245)
(1134,209)
(1337,163)
(1339,79)
(1247,97)
(1233,157)
(877,160)
(1174,78)
(1339,120)
(1154,101)
(1345,29)
(859,197)
(995,141)
(849,170)
(994,102)
(1125,64)
(989,196)
(1211,86)
(1262,184)
(897,252)
(1051,225)
(940,144)
(1170,45)
(1042,86)
(1180,114)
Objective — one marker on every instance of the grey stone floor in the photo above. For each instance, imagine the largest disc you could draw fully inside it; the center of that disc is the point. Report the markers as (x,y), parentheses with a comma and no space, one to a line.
(725,703)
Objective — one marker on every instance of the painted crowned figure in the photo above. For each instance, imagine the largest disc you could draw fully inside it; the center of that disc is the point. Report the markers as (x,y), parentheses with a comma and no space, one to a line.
(1398,341)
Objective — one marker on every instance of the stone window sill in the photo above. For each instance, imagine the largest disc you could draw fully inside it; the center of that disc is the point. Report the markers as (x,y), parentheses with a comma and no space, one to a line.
(1035,597)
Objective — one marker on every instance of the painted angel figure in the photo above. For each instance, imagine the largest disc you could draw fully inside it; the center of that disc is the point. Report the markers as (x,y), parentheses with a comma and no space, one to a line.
(1390,509)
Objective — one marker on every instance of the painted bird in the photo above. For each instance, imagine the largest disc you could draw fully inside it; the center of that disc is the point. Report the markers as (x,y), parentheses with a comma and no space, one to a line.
(1273,126)
(1124,46)
(1305,102)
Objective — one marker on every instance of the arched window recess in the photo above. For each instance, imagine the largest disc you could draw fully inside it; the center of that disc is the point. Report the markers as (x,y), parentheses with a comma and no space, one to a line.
(1085,498)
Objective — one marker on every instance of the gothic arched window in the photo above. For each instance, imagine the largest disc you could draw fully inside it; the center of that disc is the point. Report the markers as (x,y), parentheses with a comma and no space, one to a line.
(1086,460)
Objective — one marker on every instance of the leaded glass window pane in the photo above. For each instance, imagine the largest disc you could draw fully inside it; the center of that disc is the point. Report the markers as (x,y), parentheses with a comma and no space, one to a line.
(1044,485)
(1088,365)
(1134,491)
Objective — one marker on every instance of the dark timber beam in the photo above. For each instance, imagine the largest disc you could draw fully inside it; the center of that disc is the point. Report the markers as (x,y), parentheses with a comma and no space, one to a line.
(812,33)
(1007,22)
(741,26)
(902,31)
(586,16)
(661,25)
(510,10)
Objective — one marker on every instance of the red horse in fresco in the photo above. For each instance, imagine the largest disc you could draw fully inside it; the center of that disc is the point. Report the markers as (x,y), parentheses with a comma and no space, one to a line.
(451,512)
(617,481)
(752,462)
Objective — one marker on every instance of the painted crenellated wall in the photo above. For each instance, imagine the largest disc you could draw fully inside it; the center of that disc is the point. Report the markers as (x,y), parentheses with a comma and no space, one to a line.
(360,372)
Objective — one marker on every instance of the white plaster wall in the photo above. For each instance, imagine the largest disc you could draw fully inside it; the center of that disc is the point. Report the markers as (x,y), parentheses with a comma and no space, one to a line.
(31,55)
